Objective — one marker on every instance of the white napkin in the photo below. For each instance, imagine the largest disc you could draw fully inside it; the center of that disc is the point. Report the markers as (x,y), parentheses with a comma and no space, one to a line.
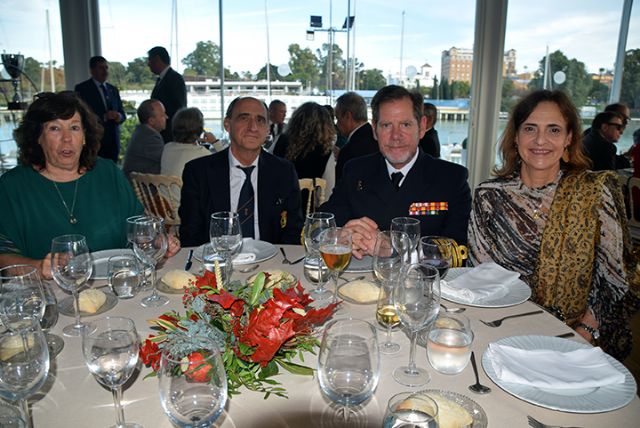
(487,280)
(244,258)
(582,368)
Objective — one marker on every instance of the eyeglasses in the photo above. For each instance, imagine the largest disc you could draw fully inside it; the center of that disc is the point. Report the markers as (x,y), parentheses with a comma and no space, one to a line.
(618,126)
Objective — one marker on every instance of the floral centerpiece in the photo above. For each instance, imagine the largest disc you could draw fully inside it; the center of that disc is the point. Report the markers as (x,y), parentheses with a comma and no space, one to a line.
(258,327)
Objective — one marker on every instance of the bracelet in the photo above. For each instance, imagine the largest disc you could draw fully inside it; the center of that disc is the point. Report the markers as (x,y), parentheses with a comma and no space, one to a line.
(594,332)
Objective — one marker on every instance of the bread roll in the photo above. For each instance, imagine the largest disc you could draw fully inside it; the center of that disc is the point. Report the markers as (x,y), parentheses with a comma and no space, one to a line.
(450,414)
(360,291)
(91,300)
(13,345)
(178,279)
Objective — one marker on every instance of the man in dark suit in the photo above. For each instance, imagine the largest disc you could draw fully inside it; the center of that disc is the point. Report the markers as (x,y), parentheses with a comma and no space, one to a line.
(430,143)
(351,115)
(599,145)
(104,100)
(401,180)
(227,181)
(170,89)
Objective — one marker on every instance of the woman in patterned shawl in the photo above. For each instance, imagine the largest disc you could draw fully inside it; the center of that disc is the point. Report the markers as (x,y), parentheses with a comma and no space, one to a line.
(562,227)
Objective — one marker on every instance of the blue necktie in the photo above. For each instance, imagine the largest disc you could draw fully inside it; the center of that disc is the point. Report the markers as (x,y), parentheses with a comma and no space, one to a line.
(107,100)
(245,204)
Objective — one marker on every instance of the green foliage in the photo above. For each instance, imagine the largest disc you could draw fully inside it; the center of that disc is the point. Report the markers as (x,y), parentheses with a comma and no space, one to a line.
(435,89)
(139,75)
(338,66)
(262,74)
(117,74)
(204,60)
(304,65)
(578,83)
(459,89)
(371,79)
(630,94)
(126,129)
(599,93)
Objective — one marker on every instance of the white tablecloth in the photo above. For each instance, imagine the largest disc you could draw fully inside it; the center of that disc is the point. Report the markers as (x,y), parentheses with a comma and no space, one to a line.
(73,398)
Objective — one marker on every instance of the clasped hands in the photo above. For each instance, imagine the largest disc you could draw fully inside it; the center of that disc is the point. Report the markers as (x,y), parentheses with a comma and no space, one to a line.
(363,238)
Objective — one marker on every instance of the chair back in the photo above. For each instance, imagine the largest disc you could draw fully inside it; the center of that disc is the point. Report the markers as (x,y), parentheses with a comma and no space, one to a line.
(159,195)
(316,188)
(633,198)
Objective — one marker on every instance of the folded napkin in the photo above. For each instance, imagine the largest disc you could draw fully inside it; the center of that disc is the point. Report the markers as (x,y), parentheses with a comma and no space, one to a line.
(486,281)
(582,368)
(243,258)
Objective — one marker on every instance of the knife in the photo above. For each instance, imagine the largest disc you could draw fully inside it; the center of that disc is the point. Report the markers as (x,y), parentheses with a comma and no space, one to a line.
(295,262)
(187,266)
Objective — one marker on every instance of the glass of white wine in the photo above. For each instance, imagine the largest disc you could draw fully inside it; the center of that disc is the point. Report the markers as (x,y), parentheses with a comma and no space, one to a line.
(335,249)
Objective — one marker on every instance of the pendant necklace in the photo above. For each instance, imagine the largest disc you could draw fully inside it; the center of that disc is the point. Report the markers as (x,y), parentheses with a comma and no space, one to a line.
(72,218)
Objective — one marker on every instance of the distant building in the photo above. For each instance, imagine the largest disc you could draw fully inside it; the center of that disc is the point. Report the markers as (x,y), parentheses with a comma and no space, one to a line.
(422,78)
(457,64)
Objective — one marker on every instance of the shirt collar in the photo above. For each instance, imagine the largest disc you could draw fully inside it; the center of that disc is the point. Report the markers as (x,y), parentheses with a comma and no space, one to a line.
(405,169)
(164,72)
(233,162)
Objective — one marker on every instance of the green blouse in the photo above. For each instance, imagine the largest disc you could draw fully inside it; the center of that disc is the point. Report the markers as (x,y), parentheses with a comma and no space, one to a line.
(32,211)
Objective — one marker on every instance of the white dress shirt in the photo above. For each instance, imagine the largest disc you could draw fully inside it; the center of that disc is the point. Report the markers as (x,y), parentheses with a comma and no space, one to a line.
(236,180)
(404,170)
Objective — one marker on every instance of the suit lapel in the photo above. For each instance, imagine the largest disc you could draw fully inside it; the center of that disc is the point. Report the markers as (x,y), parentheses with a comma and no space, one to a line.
(266,196)
(218,182)
(381,183)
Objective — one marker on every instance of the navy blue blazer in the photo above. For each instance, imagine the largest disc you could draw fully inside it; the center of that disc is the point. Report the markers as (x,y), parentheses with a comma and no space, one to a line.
(172,93)
(366,190)
(205,190)
(361,143)
(90,94)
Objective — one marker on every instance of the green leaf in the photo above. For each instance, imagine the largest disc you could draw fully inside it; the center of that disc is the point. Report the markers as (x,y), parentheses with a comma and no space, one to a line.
(269,370)
(256,289)
(296,369)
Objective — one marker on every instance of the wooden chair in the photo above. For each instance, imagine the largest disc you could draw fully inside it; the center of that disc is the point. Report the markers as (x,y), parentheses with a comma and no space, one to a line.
(316,188)
(159,195)
(633,188)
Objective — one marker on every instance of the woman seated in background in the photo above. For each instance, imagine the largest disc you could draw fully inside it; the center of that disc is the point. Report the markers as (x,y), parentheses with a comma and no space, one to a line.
(308,143)
(187,127)
(562,227)
(61,186)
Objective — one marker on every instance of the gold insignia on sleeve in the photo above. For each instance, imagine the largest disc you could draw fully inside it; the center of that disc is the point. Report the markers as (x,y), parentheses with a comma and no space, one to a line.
(283,219)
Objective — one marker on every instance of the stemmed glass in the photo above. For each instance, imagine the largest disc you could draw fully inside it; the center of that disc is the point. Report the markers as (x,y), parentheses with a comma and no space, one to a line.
(410,226)
(21,296)
(314,269)
(335,249)
(110,349)
(49,319)
(437,251)
(71,267)
(348,363)
(387,262)
(191,397)
(225,235)
(24,364)
(150,245)
(417,301)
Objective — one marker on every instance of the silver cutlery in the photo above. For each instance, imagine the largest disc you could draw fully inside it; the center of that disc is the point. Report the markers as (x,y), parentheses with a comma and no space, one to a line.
(187,265)
(295,262)
(452,310)
(537,424)
(566,335)
(477,387)
(498,322)
(285,261)
(249,268)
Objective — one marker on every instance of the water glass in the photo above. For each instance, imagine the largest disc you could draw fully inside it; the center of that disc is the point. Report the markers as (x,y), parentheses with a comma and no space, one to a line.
(193,389)
(125,275)
(209,258)
(21,296)
(348,363)
(411,410)
(24,364)
(150,244)
(110,348)
(314,269)
(49,319)
(225,235)
(449,343)
(410,226)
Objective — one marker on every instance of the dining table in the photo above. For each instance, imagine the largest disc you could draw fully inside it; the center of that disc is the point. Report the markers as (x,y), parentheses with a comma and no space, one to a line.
(71,397)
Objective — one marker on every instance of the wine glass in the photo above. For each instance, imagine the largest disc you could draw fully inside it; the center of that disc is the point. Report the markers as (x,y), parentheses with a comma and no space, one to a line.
(193,389)
(21,296)
(146,285)
(110,348)
(411,410)
(49,319)
(225,235)
(131,223)
(417,301)
(348,363)
(211,257)
(71,267)
(150,245)
(24,364)
(410,226)
(387,261)
(314,269)
(437,251)
(125,275)
(335,249)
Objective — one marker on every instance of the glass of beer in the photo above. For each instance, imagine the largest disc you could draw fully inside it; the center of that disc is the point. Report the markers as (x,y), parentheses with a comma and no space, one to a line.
(335,249)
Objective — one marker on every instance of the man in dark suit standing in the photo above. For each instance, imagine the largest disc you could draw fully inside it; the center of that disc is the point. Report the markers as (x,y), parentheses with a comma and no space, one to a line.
(170,89)
(351,115)
(104,100)
(430,143)
(401,180)
(261,187)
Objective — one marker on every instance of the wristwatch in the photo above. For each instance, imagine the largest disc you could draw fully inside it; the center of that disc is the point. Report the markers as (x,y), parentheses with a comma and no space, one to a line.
(594,332)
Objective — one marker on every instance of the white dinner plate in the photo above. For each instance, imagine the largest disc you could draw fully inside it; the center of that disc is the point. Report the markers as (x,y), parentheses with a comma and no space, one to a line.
(589,400)
(101,261)
(519,292)
(262,249)
(365,264)
(65,306)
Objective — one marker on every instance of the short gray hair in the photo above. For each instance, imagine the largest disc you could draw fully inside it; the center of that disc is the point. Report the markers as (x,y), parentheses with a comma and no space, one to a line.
(146,111)
(354,104)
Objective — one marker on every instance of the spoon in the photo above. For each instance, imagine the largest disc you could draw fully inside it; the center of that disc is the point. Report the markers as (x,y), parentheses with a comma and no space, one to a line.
(477,387)
(452,310)
(249,269)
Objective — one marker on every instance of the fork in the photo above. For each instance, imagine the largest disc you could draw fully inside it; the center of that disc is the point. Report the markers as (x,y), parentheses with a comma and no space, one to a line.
(285,261)
(498,323)
(537,424)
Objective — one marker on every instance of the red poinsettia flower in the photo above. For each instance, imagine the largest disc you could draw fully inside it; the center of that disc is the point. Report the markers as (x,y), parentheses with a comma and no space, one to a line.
(196,368)
(314,317)
(228,301)
(208,278)
(150,354)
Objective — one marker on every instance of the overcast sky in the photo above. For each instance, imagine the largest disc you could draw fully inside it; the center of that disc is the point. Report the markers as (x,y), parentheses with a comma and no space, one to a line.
(583,29)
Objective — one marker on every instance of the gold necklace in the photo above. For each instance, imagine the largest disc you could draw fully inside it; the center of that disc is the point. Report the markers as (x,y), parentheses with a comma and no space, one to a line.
(72,218)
